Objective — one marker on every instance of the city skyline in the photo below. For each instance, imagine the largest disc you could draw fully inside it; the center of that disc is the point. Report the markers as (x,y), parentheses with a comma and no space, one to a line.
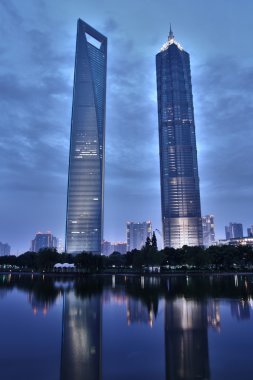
(37,77)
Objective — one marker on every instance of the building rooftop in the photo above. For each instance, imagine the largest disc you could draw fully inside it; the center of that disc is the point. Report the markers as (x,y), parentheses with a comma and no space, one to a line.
(171,41)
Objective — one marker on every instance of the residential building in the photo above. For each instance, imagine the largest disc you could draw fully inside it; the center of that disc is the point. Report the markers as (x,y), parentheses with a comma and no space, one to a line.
(180,195)
(137,233)
(43,240)
(5,249)
(84,221)
(208,230)
(233,231)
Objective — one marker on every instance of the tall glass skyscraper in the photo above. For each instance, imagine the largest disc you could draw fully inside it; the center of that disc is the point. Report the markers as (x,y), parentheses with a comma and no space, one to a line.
(180,198)
(84,224)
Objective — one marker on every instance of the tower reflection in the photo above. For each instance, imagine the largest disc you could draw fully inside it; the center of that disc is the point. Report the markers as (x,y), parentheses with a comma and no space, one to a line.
(81,338)
(186,340)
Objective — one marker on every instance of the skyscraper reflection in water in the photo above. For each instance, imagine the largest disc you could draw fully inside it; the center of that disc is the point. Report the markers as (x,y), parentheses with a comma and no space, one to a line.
(186,340)
(81,338)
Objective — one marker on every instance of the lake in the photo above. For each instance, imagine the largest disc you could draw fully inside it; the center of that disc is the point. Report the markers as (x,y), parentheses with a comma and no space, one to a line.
(126,327)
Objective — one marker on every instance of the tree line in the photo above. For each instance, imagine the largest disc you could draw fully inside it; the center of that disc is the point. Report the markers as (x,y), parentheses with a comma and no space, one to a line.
(221,258)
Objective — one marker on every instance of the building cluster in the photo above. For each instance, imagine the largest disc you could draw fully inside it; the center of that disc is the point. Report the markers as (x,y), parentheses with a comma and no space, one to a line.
(5,249)
(234,235)
(137,234)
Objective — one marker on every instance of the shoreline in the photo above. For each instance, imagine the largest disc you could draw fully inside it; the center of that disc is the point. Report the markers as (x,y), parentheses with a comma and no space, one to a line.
(122,274)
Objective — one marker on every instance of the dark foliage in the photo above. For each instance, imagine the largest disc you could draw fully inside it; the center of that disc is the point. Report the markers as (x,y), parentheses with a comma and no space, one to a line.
(187,258)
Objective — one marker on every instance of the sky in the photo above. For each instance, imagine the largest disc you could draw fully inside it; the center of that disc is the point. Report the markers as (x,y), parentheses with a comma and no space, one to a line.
(37,50)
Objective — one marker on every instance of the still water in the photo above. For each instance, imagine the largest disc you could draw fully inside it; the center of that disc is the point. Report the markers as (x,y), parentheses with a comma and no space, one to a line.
(126,328)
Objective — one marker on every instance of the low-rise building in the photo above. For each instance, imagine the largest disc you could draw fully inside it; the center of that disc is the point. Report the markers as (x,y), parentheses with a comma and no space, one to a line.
(237,241)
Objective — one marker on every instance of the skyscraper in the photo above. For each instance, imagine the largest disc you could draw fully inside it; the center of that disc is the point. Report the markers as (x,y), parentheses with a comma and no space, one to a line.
(180,197)
(137,234)
(84,222)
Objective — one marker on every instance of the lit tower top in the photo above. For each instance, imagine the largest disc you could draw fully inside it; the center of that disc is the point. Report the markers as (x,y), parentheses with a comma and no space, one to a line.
(171,41)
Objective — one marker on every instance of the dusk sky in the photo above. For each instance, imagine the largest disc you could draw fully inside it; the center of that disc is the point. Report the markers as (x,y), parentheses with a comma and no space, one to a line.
(37,50)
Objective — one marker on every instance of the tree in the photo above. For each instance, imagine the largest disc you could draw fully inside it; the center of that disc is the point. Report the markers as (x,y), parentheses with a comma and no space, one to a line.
(47,258)
(148,242)
(154,242)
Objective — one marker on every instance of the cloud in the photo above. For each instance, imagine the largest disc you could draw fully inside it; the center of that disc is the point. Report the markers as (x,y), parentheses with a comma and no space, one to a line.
(224,112)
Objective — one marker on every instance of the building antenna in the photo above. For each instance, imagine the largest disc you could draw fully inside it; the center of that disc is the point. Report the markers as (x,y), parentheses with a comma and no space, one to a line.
(171,35)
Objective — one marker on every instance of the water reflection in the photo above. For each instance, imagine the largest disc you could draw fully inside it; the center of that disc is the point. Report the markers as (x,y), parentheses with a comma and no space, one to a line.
(137,312)
(186,340)
(81,338)
(172,316)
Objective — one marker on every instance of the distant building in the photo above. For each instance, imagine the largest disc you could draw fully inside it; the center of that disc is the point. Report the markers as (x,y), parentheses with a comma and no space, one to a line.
(60,247)
(106,248)
(5,249)
(250,231)
(208,230)
(43,240)
(234,230)
(120,247)
(137,234)
(237,241)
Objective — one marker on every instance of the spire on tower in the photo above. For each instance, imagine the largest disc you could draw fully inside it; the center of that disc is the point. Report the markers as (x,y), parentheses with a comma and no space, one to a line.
(171,35)
(171,41)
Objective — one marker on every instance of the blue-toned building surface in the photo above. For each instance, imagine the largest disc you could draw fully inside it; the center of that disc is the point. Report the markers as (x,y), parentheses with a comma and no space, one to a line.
(180,197)
(84,224)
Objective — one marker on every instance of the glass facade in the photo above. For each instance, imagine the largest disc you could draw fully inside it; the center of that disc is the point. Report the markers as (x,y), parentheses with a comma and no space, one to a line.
(180,197)
(84,224)
(137,234)
(208,230)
